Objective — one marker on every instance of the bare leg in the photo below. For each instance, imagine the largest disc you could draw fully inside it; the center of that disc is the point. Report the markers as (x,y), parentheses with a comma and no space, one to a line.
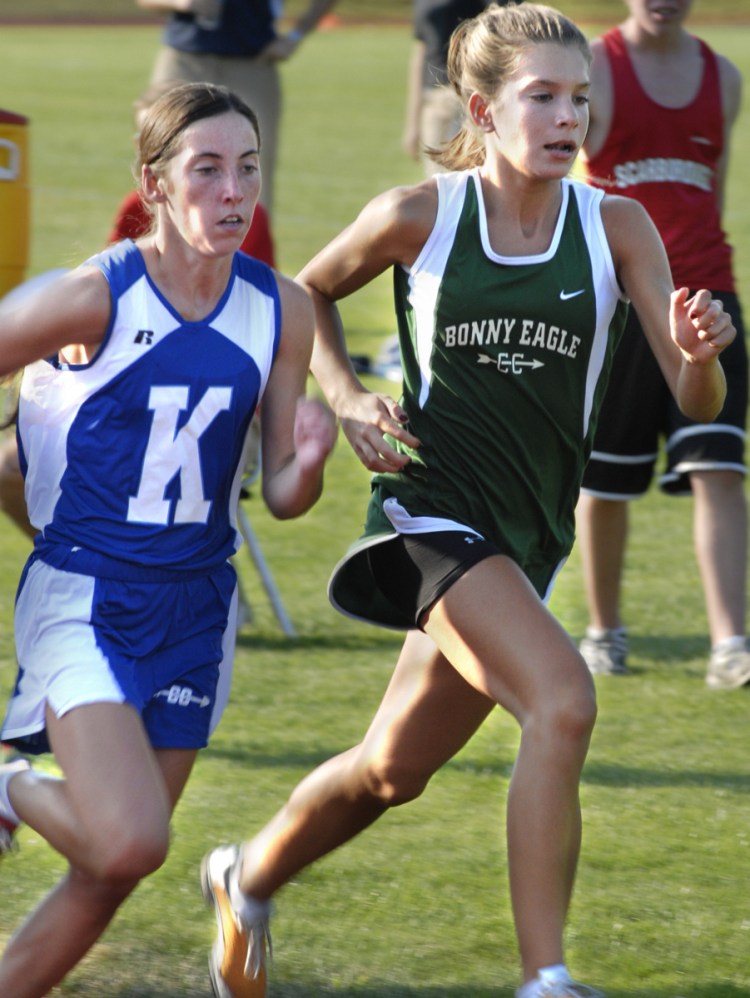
(503,647)
(91,819)
(602,526)
(427,714)
(720,532)
(498,634)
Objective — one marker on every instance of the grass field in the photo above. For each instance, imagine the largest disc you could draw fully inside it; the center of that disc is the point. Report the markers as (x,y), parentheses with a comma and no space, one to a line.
(417,908)
(351,11)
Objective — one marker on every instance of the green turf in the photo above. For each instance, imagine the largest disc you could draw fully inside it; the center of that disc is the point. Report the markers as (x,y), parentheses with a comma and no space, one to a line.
(349,10)
(417,908)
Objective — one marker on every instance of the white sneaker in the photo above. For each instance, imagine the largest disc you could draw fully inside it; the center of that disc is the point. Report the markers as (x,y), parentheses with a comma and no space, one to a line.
(728,668)
(557,985)
(8,821)
(237,962)
(605,653)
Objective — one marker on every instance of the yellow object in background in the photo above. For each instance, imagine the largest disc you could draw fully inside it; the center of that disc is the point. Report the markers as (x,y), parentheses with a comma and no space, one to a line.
(14,200)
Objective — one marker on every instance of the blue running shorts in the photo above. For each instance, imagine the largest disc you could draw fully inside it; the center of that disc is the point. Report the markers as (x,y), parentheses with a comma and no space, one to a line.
(164,647)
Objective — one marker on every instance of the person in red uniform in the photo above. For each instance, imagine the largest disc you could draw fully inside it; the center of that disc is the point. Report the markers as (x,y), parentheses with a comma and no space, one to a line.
(662,107)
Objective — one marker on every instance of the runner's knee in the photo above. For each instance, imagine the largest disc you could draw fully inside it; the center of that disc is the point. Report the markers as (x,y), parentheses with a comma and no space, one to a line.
(394,781)
(570,714)
(128,855)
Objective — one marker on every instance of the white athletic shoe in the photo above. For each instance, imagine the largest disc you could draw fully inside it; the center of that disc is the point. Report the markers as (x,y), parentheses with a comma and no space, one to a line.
(8,821)
(728,668)
(237,962)
(556,983)
(606,653)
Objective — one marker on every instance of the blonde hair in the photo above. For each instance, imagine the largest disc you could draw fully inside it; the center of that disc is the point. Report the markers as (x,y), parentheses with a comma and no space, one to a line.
(484,51)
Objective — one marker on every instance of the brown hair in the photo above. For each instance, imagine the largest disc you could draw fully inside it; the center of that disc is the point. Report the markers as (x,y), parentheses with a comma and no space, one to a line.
(484,51)
(167,113)
(178,109)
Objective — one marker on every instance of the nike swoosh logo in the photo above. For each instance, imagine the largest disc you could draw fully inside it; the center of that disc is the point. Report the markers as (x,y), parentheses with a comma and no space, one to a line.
(564,295)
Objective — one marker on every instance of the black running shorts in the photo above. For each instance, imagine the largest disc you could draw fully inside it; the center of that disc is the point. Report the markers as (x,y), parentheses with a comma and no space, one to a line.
(414,570)
(639,412)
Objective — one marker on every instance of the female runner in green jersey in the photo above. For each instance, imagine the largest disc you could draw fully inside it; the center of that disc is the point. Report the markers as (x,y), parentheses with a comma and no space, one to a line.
(511,285)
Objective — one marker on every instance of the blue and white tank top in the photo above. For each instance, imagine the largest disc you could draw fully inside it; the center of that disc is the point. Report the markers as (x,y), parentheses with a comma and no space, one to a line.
(133,462)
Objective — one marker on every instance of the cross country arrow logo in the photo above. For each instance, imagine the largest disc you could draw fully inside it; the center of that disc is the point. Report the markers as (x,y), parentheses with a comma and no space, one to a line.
(510,363)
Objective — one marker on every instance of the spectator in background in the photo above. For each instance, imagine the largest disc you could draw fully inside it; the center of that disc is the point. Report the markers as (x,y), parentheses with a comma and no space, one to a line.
(433,109)
(662,108)
(235,43)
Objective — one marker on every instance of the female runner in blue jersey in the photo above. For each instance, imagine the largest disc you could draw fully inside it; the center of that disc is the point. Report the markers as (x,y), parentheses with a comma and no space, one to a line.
(511,285)
(132,434)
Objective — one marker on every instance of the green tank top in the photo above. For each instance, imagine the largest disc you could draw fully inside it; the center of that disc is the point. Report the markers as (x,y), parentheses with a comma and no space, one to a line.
(505,362)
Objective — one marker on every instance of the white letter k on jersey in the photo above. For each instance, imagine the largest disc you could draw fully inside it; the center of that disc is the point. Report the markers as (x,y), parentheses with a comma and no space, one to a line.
(171,452)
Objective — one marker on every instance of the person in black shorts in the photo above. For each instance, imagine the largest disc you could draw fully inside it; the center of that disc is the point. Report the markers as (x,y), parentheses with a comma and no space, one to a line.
(662,107)
(510,285)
